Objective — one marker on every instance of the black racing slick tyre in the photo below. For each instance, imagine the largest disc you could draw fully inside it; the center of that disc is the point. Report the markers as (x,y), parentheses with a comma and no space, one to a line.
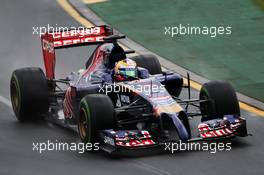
(220,99)
(149,62)
(96,113)
(29,93)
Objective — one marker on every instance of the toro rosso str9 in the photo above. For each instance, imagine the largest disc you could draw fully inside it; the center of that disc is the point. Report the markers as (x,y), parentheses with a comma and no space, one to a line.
(124,103)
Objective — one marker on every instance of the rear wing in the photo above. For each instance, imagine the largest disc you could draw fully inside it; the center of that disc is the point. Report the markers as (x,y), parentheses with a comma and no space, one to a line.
(51,41)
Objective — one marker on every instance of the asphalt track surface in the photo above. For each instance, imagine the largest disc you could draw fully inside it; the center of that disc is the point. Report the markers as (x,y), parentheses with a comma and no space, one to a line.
(19,48)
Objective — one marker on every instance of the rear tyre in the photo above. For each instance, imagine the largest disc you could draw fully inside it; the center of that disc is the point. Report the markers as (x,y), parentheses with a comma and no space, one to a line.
(149,62)
(96,113)
(29,93)
(222,100)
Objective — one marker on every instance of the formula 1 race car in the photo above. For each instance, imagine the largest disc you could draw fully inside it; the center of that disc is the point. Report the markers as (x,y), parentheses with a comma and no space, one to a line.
(136,113)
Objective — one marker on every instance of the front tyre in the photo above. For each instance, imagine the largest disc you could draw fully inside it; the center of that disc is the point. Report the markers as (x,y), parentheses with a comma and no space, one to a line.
(220,100)
(29,93)
(96,113)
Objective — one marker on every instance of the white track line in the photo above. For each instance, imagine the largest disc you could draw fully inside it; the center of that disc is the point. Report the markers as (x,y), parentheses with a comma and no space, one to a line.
(6,101)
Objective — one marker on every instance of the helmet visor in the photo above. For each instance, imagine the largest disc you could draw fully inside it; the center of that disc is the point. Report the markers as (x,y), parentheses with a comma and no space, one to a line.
(129,72)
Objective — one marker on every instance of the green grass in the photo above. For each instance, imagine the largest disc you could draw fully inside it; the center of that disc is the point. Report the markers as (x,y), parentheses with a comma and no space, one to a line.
(238,58)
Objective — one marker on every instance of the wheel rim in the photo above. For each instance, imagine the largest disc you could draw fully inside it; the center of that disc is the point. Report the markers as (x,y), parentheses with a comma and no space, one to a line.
(82,125)
(204,107)
(15,96)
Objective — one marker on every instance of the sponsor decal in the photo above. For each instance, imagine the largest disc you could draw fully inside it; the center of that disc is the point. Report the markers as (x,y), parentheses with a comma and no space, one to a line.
(47,46)
(109,140)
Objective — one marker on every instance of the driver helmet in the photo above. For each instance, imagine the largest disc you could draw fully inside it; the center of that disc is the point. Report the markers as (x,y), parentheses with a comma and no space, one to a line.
(125,70)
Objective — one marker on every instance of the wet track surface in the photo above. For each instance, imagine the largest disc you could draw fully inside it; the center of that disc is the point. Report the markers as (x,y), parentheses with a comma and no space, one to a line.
(19,48)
